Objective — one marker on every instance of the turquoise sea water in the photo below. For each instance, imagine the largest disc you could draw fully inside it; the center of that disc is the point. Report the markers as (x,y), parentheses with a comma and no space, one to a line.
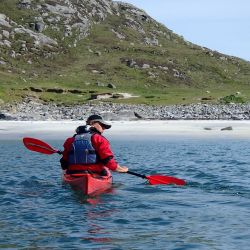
(211,212)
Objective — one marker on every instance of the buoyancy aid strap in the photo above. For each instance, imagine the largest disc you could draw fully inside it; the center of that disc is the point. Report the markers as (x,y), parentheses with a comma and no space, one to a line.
(89,151)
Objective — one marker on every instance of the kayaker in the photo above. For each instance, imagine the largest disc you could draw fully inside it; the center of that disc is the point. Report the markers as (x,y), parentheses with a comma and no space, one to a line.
(89,150)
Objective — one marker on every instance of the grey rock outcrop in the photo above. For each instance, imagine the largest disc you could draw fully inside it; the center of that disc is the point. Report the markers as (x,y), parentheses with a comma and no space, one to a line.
(66,18)
(4,21)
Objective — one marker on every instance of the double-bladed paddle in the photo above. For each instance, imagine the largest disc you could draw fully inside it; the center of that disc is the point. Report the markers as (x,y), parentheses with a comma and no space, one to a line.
(44,148)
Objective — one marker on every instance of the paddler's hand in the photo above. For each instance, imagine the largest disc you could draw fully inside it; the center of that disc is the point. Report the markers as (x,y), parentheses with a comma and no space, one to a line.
(121,169)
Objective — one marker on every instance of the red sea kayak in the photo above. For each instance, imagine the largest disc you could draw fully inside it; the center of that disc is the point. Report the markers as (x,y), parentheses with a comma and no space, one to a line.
(89,183)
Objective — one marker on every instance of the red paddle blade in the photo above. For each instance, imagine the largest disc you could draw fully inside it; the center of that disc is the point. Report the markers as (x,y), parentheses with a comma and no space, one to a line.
(164,180)
(38,146)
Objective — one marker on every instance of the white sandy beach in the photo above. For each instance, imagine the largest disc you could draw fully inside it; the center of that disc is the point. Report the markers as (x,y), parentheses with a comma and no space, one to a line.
(127,129)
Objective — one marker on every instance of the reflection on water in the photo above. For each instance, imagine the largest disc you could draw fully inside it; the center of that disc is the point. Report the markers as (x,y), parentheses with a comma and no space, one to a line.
(93,199)
(96,232)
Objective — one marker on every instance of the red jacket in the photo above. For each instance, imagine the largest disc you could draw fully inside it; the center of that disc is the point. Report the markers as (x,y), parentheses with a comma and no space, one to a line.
(102,148)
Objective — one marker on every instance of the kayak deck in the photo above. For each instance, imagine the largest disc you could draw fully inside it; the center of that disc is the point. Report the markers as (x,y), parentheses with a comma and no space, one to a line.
(89,183)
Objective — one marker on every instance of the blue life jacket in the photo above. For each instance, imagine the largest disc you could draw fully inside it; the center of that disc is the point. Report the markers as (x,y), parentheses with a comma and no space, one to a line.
(82,151)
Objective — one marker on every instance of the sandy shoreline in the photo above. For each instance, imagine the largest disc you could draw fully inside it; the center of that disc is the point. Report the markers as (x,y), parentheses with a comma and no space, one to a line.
(127,129)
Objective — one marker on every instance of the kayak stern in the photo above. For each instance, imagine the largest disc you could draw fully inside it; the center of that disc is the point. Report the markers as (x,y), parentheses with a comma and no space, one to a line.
(89,183)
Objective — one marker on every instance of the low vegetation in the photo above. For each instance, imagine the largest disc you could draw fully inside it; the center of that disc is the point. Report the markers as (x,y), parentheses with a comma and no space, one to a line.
(232,99)
(172,72)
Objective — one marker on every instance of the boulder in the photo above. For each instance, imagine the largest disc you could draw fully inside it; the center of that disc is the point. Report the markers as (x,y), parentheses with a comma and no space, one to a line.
(3,21)
(5,117)
(227,128)
(39,26)
(24,4)
(111,86)
(6,34)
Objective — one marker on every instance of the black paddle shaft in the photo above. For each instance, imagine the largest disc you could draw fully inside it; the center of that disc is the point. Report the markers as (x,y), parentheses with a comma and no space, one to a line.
(136,174)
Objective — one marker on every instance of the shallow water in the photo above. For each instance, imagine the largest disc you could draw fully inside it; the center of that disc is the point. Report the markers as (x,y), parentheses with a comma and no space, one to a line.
(210,212)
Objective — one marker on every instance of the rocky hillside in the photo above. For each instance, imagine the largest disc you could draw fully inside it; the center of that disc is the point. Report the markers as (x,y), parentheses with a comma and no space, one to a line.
(72,51)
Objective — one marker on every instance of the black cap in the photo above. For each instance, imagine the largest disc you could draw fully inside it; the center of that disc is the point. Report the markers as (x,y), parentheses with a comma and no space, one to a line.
(81,130)
(97,118)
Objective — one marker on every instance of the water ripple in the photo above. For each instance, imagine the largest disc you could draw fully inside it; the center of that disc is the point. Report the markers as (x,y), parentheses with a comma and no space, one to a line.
(210,212)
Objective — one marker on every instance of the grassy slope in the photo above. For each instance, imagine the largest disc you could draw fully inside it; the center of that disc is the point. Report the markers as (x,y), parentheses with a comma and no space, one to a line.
(73,70)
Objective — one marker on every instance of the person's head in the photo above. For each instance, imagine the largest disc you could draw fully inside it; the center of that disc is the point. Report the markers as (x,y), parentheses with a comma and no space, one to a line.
(81,130)
(97,122)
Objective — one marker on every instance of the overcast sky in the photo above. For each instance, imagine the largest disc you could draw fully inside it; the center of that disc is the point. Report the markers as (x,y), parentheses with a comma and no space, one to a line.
(222,25)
